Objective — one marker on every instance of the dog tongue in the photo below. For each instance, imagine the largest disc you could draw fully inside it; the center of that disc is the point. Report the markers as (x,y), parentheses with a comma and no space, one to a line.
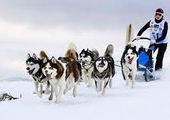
(48,76)
(100,65)
(30,72)
(130,61)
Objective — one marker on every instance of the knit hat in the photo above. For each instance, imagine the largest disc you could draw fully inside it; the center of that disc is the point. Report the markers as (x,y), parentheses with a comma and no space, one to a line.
(160,10)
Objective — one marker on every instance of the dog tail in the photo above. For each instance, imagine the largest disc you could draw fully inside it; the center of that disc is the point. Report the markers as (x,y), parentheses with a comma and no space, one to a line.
(43,55)
(109,50)
(95,52)
(72,52)
(129,34)
(72,46)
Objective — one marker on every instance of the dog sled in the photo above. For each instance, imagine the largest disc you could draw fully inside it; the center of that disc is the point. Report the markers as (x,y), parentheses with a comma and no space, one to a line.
(145,60)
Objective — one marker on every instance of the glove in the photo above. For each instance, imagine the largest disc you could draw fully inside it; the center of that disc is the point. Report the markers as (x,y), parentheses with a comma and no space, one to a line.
(152,41)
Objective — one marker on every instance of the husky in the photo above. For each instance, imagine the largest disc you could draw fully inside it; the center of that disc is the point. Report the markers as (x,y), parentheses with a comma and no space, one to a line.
(87,58)
(129,64)
(34,68)
(104,70)
(72,68)
(55,74)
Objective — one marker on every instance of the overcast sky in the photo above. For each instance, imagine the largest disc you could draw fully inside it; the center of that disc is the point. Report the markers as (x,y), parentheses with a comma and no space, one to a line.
(23,17)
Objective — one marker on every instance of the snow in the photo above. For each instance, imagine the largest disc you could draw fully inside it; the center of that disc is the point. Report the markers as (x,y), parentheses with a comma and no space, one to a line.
(146,101)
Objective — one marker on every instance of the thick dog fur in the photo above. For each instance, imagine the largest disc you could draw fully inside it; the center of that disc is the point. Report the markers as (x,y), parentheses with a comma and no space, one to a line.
(129,64)
(63,74)
(73,68)
(34,68)
(55,74)
(87,58)
(104,70)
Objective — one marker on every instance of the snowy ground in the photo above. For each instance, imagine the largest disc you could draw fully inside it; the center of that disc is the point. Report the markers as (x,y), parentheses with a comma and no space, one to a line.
(146,101)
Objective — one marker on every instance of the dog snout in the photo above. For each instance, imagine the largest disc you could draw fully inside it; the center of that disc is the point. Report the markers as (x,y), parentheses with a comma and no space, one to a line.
(28,68)
(102,62)
(46,71)
(128,57)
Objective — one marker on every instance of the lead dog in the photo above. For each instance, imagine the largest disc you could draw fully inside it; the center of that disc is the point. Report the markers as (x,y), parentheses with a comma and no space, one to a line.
(104,70)
(129,64)
(55,74)
(34,68)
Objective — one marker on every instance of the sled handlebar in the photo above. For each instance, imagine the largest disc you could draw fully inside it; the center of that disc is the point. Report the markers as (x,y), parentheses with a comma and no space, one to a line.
(143,38)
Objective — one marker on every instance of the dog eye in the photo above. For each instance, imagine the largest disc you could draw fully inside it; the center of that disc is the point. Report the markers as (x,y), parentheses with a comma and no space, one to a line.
(45,67)
(50,68)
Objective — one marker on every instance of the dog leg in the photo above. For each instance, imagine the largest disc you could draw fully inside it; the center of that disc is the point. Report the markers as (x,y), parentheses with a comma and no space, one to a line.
(103,92)
(98,86)
(62,87)
(36,89)
(60,93)
(132,83)
(110,82)
(47,90)
(102,84)
(41,90)
(132,80)
(74,90)
(127,81)
(51,94)
(56,92)
(68,84)
(87,79)
(103,87)
(95,82)
(89,84)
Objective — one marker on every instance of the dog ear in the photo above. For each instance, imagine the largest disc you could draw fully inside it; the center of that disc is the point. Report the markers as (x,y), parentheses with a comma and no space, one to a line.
(35,56)
(53,59)
(45,60)
(28,56)
(135,50)
(83,50)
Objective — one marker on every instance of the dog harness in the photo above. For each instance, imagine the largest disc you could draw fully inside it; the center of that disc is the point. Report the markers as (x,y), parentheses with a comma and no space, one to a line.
(39,76)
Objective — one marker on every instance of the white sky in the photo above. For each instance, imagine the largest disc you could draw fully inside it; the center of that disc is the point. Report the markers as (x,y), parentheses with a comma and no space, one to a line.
(66,19)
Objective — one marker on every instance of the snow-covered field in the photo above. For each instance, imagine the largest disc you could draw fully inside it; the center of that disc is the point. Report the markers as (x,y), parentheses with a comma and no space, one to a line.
(146,101)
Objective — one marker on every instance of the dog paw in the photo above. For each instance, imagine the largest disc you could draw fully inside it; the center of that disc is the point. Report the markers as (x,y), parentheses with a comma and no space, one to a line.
(57,101)
(39,95)
(88,86)
(50,98)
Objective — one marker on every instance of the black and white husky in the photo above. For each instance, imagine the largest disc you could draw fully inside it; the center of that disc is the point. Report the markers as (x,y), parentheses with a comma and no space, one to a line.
(129,64)
(87,58)
(34,68)
(104,70)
